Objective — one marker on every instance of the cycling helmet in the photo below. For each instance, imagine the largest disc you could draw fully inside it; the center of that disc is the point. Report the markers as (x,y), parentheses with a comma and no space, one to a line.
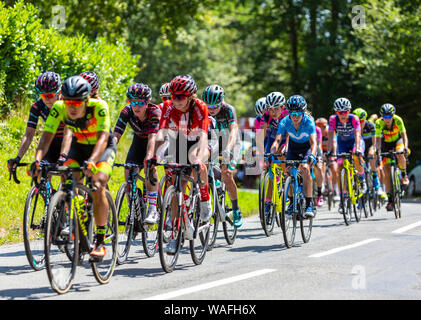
(321,122)
(183,85)
(92,78)
(387,110)
(213,94)
(275,99)
(48,82)
(296,103)
(139,91)
(260,106)
(342,104)
(164,91)
(360,113)
(75,88)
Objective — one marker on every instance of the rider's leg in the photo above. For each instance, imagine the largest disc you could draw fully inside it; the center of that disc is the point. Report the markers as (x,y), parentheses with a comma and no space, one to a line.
(307,187)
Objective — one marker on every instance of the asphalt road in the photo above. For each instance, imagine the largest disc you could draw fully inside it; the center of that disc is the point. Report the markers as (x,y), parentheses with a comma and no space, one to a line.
(378,258)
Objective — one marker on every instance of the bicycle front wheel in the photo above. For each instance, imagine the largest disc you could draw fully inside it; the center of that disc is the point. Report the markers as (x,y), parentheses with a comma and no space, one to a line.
(199,244)
(34,224)
(104,270)
(125,227)
(61,243)
(267,217)
(230,231)
(288,219)
(214,223)
(306,224)
(170,231)
(345,205)
(396,184)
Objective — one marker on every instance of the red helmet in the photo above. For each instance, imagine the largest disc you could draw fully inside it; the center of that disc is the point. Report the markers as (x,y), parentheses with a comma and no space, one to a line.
(321,122)
(92,78)
(183,84)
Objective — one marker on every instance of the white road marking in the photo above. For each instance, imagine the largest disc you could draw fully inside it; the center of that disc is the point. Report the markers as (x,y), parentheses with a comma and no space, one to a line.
(209,285)
(409,227)
(332,251)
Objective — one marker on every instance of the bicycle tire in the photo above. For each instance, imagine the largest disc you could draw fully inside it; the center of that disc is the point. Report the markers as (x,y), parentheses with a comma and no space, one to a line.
(288,221)
(306,224)
(150,236)
(125,228)
(58,218)
(199,244)
(394,173)
(34,229)
(230,231)
(345,201)
(267,220)
(359,205)
(175,233)
(261,183)
(213,194)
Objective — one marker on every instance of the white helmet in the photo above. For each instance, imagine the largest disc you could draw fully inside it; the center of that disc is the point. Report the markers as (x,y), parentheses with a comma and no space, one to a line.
(275,99)
(260,106)
(342,104)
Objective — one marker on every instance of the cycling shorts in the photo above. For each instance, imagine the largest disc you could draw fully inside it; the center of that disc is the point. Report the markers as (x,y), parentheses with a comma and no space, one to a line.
(391,146)
(137,151)
(298,151)
(54,151)
(79,153)
(348,146)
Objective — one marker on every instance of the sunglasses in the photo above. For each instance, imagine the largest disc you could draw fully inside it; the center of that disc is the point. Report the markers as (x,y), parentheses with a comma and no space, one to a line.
(138,103)
(214,106)
(74,103)
(342,113)
(48,95)
(296,114)
(180,97)
(387,117)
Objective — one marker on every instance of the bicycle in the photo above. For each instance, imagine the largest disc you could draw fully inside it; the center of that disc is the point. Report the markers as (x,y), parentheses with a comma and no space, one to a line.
(328,190)
(222,209)
(274,173)
(352,199)
(395,181)
(131,211)
(294,182)
(172,225)
(70,233)
(371,196)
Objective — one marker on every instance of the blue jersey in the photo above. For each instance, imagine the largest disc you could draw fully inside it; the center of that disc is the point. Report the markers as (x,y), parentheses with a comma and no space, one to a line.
(302,135)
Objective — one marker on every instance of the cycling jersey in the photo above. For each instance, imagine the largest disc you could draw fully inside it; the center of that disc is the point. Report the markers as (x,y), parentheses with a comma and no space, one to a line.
(40,109)
(302,135)
(258,122)
(368,132)
(319,135)
(393,134)
(142,129)
(85,129)
(344,131)
(195,118)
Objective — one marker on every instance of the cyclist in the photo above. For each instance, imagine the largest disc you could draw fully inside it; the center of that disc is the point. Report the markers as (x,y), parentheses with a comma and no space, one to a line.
(48,85)
(392,128)
(275,111)
(229,142)
(348,130)
(319,168)
(322,123)
(373,118)
(94,81)
(259,139)
(368,131)
(93,146)
(164,93)
(302,144)
(185,121)
(144,118)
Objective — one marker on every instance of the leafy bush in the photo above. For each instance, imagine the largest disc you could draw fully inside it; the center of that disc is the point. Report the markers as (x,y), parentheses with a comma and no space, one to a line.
(27,49)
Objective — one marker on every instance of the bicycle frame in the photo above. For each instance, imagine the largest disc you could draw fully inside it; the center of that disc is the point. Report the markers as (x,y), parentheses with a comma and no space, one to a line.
(277,173)
(351,172)
(295,175)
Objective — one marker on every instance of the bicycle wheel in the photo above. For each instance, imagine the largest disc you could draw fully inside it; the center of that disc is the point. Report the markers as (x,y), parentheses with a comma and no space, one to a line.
(261,197)
(345,204)
(199,244)
(288,220)
(396,185)
(328,191)
(359,205)
(267,219)
(125,227)
(170,230)
(214,223)
(150,236)
(230,231)
(369,195)
(103,270)
(34,228)
(61,237)
(306,224)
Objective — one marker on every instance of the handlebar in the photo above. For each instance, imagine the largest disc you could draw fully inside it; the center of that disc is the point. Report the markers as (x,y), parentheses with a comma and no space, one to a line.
(12,172)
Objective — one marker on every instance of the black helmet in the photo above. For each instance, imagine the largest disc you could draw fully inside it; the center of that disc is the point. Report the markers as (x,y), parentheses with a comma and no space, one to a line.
(48,82)
(75,88)
(387,110)
(213,94)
